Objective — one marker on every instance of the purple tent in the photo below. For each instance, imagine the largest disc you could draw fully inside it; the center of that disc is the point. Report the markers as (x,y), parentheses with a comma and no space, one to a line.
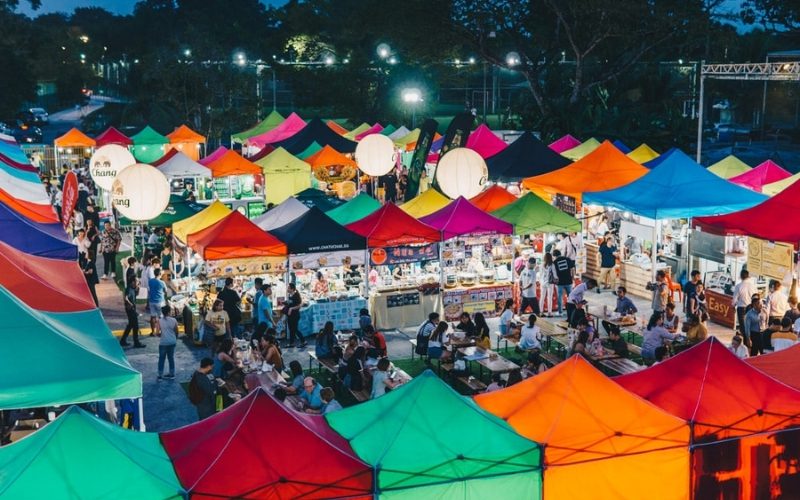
(35,238)
(460,218)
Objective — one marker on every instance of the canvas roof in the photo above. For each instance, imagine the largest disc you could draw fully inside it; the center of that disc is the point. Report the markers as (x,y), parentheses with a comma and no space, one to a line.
(147,136)
(685,189)
(81,456)
(60,358)
(361,128)
(74,139)
(269,123)
(165,158)
(591,430)
(604,168)
(282,161)
(185,135)
(262,153)
(780,365)
(312,197)
(180,165)
(642,154)
(388,130)
(492,198)
(13,156)
(284,175)
(355,209)
(483,141)
(531,214)
(216,154)
(426,441)
(410,137)
(20,186)
(281,214)
(201,220)
(776,187)
(178,209)
(232,163)
(314,232)
(391,226)
(336,127)
(696,385)
(35,238)
(461,218)
(400,132)
(621,146)
(565,143)
(525,157)
(36,212)
(303,458)
(767,172)
(375,129)
(728,167)
(311,150)
(316,131)
(235,237)
(425,203)
(327,156)
(583,149)
(290,126)
(112,136)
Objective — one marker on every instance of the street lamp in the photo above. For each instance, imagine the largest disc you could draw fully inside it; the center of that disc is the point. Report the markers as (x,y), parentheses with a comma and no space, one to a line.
(512,59)
(187,52)
(329,60)
(384,51)
(412,97)
(240,59)
(393,60)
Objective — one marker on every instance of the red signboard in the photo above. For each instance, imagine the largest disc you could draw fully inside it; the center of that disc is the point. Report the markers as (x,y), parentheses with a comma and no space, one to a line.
(69,197)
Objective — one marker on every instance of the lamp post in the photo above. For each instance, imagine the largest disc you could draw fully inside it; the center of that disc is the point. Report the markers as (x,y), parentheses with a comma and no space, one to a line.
(412,96)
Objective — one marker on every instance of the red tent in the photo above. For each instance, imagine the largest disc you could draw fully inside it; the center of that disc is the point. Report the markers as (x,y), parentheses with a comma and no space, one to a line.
(784,206)
(390,226)
(761,175)
(493,198)
(483,141)
(262,153)
(213,156)
(235,237)
(112,136)
(780,365)
(258,448)
(48,285)
(164,159)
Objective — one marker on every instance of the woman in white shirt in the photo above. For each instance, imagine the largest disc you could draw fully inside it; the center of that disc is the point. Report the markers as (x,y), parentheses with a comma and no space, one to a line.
(737,348)
(507,326)
(548,289)
(530,336)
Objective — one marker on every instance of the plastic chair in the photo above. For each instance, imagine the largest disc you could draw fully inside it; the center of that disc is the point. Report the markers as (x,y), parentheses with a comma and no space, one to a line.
(674,287)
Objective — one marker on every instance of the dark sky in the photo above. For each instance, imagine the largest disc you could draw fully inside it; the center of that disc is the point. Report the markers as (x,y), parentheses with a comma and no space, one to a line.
(117,6)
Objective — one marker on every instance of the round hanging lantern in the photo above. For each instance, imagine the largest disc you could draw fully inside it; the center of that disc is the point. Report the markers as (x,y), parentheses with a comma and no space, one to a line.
(461,172)
(107,161)
(140,192)
(375,155)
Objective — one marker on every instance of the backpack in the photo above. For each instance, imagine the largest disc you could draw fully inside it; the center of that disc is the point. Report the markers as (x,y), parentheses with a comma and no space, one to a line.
(196,394)
(422,340)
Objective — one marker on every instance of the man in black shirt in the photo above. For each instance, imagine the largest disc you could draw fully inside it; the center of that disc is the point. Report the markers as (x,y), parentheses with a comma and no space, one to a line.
(565,273)
(230,304)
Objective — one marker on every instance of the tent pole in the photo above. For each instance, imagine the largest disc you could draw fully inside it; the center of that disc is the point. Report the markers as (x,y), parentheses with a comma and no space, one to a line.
(700,115)
(654,249)
(142,427)
(366,274)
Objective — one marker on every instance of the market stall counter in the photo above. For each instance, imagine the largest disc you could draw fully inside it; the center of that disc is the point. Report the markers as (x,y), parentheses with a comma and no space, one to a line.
(393,307)
(342,310)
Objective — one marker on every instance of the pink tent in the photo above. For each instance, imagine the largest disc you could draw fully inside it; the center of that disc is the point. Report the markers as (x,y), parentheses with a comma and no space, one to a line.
(213,156)
(460,218)
(483,141)
(565,144)
(765,173)
(290,126)
(375,129)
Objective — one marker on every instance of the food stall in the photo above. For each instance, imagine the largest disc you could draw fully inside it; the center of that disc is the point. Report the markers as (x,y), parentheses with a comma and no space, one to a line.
(148,145)
(181,170)
(73,148)
(238,183)
(187,141)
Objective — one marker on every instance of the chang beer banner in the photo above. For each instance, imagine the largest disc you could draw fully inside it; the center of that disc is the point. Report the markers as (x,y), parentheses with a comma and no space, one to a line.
(456,135)
(424,142)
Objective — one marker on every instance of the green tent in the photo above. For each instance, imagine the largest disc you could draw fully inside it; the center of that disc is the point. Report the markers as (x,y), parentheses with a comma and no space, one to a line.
(148,145)
(270,122)
(355,209)
(531,214)
(361,128)
(177,210)
(60,358)
(582,150)
(388,130)
(427,441)
(312,149)
(728,167)
(81,456)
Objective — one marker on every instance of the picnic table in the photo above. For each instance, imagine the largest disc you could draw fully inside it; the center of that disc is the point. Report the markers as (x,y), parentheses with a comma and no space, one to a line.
(619,365)
(488,359)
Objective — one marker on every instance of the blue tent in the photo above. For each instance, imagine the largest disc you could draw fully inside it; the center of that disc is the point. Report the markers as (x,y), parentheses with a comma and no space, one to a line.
(660,159)
(678,187)
(621,146)
(35,238)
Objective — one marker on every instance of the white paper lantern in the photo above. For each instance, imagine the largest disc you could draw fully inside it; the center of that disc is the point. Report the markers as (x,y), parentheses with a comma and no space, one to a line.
(107,161)
(461,172)
(140,192)
(375,155)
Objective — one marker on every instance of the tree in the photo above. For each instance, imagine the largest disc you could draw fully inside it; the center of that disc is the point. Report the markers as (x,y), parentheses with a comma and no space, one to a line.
(776,15)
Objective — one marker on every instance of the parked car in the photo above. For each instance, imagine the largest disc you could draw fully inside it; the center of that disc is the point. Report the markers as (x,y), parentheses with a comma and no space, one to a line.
(24,132)
(40,116)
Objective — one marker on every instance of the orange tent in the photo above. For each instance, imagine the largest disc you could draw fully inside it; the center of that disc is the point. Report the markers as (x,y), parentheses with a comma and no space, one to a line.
(493,198)
(327,157)
(235,237)
(336,127)
(35,212)
(74,139)
(596,435)
(232,163)
(604,168)
(186,140)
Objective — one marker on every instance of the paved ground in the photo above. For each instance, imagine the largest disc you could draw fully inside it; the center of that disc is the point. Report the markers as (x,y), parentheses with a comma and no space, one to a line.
(62,121)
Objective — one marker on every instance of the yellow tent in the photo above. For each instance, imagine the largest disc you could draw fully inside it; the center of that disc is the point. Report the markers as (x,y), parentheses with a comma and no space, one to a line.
(201,220)
(425,204)
(643,154)
(776,187)
(361,128)
(284,175)
(584,149)
(728,167)
(409,137)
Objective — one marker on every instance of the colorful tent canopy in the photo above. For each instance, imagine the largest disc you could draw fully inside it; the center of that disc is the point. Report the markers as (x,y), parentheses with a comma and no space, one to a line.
(269,123)
(229,455)
(660,158)
(184,134)
(232,163)
(235,237)
(642,154)
(604,168)
(336,127)
(167,156)
(311,150)
(410,137)
(356,131)
(696,385)
(327,157)
(148,145)
(776,187)
(36,212)
(388,130)
(780,365)
(180,165)
(677,187)
(483,141)
(355,209)
(312,197)
(284,175)
(621,146)
(44,284)
(178,209)
(399,133)
(80,456)
(261,154)
(74,139)
(290,126)
(215,155)
(18,185)
(564,144)
(60,358)
(316,131)
(426,441)
(493,198)
(425,203)
(531,214)
(411,145)
(112,136)
(14,174)
(728,167)
(390,226)
(11,155)
(375,129)
(461,218)
(592,430)
(584,149)
(315,232)
(35,238)
(760,175)
(201,220)
(287,211)
(525,157)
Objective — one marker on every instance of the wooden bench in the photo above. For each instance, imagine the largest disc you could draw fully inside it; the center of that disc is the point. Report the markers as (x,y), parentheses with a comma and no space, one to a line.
(360,396)
(474,385)
(623,366)
(635,349)
(328,364)
(507,340)
(550,359)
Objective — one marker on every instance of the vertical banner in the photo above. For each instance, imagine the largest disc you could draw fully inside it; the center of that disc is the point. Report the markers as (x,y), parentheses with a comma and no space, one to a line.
(69,197)
(456,135)
(424,142)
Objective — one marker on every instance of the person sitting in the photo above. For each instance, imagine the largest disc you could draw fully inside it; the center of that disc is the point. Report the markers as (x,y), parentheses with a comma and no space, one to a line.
(224,359)
(618,345)
(655,335)
(578,314)
(350,348)
(436,343)
(530,335)
(508,328)
(381,380)
(695,330)
(534,365)
(785,337)
(326,340)
(466,325)
(660,354)
(373,356)
(514,378)
(671,319)
(497,383)
(297,378)
(576,296)
(738,348)
(625,305)
(483,340)
(353,373)
(376,340)
(580,344)
(364,320)
(311,394)
(329,404)
(271,352)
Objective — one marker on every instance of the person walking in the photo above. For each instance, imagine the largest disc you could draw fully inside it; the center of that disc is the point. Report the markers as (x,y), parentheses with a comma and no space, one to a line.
(608,263)
(292,310)
(547,285)
(755,324)
(89,268)
(742,296)
(168,326)
(527,286)
(231,304)
(155,300)
(110,240)
(131,291)
(565,272)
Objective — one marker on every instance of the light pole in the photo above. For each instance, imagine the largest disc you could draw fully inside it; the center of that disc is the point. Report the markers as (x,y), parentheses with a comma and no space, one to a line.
(412,96)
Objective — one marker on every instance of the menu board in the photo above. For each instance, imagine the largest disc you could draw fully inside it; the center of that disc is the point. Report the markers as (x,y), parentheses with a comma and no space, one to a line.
(402,299)
(766,258)
(256,208)
(487,300)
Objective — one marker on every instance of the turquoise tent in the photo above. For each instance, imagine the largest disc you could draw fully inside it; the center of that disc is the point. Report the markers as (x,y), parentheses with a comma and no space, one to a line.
(355,209)
(148,145)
